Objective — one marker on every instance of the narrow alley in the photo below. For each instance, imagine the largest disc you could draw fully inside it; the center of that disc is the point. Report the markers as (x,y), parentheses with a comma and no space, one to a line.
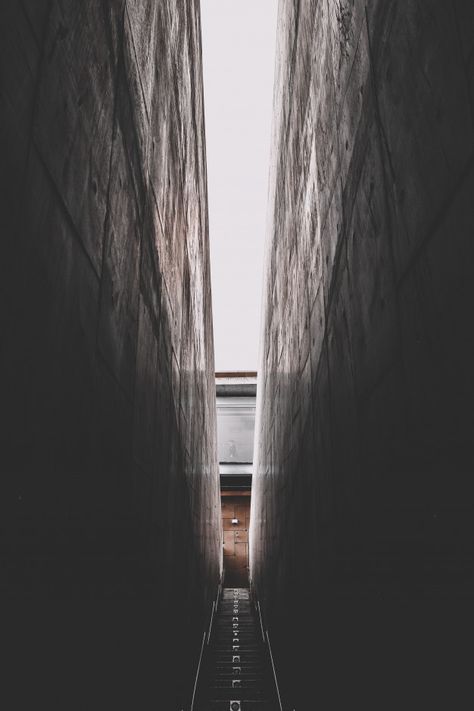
(324,499)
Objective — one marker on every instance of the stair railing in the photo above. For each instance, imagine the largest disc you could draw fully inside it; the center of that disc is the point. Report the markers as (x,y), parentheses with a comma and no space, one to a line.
(210,623)
(198,670)
(266,640)
(274,673)
(261,621)
(206,635)
(214,610)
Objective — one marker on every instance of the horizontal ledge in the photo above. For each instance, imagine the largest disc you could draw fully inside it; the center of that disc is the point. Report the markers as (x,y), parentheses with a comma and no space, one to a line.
(236,374)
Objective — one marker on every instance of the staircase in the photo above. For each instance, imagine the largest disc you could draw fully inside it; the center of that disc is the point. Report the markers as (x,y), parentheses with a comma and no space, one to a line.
(236,674)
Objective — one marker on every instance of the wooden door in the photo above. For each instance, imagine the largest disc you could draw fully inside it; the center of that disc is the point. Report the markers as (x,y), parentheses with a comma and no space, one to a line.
(235,522)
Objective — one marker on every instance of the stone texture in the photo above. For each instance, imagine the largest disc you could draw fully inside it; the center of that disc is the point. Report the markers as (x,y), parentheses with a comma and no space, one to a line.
(109,486)
(362,490)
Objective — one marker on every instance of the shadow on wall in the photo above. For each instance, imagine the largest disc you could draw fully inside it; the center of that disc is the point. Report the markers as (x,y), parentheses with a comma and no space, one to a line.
(109,488)
(362,503)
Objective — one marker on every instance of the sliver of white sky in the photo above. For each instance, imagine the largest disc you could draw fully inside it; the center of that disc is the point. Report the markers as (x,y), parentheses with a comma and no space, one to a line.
(238,39)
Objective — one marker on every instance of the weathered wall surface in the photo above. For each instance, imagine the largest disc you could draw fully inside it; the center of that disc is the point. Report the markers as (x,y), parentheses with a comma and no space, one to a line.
(108,456)
(363,486)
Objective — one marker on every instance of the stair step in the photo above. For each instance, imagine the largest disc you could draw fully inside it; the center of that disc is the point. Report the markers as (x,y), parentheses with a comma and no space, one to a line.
(236,667)
(246,706)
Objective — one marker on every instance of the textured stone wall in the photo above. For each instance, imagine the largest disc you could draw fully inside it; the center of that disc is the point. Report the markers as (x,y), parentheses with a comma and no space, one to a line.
(363,486)
(109,483)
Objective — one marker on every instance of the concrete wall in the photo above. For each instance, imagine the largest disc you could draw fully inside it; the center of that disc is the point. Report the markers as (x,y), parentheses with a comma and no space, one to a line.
(109,484)
(363,486)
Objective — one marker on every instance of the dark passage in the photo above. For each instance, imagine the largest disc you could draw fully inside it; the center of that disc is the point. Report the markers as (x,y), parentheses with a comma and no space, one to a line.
(111,479)
(237,669)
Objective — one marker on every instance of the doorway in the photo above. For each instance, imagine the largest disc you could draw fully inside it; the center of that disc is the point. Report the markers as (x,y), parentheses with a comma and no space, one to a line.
(235,522)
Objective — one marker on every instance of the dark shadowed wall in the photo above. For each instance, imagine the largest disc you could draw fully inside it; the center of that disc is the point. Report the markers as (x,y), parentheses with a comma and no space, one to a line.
(362,497)
(109,484)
